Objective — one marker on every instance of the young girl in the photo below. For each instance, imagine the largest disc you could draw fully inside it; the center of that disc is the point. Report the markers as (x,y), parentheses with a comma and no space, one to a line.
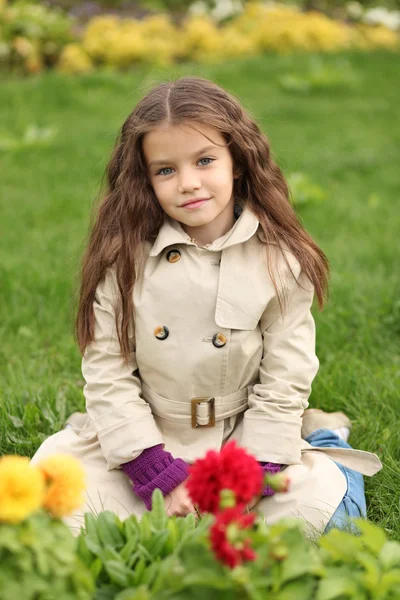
(194,320)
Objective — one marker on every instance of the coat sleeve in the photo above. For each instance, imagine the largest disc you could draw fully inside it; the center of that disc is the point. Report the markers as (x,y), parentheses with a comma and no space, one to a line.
(123,420)
(272,423)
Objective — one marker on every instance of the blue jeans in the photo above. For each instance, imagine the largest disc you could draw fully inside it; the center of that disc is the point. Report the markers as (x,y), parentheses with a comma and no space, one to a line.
(353,503)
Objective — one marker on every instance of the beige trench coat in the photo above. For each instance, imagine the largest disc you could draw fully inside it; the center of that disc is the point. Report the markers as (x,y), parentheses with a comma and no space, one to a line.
(208,326)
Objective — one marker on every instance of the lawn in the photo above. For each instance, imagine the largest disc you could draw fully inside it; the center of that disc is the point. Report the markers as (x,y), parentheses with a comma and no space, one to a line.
(346,139)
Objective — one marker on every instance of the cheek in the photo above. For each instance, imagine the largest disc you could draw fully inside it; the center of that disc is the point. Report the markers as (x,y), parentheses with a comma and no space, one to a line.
(224,180)
(161,189)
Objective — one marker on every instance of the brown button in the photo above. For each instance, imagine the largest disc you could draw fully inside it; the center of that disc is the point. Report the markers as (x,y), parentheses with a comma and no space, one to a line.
(219,340)
(161,332)
(173,256)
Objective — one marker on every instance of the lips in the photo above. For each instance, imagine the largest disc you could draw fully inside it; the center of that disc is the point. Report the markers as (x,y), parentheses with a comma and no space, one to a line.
(194,201)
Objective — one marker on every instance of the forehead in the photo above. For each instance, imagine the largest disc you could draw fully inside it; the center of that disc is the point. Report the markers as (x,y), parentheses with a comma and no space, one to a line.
(176,141)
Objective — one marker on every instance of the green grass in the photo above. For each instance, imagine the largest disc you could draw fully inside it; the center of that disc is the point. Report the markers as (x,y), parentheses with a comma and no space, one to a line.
(346,139)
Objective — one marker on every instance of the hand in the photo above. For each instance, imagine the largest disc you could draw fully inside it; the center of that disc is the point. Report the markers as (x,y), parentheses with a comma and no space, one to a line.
(178,502)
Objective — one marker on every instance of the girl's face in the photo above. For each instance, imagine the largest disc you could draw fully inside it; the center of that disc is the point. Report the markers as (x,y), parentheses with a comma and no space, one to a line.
(185,167)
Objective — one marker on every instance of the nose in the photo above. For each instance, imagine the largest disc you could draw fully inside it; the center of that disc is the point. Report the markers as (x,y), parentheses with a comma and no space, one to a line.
(188,181)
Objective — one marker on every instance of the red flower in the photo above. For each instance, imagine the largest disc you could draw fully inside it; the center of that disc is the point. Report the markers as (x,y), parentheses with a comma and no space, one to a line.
(228,537)
(232,468)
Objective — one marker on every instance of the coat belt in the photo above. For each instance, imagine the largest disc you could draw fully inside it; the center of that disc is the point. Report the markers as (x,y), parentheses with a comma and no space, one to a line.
(233,404)
(201,411)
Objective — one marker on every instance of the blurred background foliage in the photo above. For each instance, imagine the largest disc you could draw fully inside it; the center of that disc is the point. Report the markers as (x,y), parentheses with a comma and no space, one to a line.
(181,6)
(76,37)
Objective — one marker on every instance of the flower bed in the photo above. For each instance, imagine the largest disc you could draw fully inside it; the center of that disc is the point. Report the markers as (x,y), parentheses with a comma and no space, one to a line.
(33,37)
(227,553)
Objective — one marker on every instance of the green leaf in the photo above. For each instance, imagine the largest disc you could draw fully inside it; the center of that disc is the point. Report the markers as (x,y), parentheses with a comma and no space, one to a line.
(207,577)
(372,573)
(131,528)
(82,549)
(341,545)
(109,553)
(298,562)
(390,582)
(94,545)
(158,544)
(169,576)
(141,593)
(108,530)
(83,581)
(389,555)
(181,526)
(338,584)
(106,592)
(144,553)
(9,539)
(91,526)
(373,536)
(139,570)
(129,549)
(190,523)
(302,589)
(131,562)
(150,573)
(158,515)
(172,540)
(118,573)
(42,562)
(145,528)
(96,567)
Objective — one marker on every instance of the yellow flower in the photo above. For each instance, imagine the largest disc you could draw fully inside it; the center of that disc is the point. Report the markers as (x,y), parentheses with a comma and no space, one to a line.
(200,40)
(64,477)
(377,36)
(73,59)
(21,489)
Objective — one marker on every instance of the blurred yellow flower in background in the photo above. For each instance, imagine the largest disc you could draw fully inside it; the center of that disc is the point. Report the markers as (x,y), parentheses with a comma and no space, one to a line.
(377,36)
(200,39)
(73,59)
(21,489)
(65,480)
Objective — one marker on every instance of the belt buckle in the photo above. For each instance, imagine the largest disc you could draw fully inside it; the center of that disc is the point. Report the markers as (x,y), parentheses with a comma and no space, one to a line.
(211,414)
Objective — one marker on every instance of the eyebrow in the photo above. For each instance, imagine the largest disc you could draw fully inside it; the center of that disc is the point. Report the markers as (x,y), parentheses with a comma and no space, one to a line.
(166,160)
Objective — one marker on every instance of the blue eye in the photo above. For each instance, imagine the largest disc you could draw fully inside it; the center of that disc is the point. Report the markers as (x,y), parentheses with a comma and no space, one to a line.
(211,159)
(162,171)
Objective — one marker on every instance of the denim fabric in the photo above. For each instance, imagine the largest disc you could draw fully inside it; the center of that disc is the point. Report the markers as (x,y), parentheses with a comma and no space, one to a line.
(353,503)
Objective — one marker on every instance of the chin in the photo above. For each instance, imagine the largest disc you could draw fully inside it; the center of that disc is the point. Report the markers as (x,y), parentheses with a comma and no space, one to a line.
(199,222)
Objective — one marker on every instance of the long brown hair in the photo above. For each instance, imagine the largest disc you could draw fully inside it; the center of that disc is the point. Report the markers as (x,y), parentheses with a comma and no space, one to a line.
(130,214)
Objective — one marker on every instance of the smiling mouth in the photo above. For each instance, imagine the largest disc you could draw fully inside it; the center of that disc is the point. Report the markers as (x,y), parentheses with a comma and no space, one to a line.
(195,203)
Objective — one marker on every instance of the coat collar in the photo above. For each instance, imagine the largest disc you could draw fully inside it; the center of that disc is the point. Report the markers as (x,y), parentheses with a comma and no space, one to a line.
(171,233)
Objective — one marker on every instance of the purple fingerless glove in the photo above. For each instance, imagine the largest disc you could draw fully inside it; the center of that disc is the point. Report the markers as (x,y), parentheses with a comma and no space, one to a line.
(272,469)
(155,468)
